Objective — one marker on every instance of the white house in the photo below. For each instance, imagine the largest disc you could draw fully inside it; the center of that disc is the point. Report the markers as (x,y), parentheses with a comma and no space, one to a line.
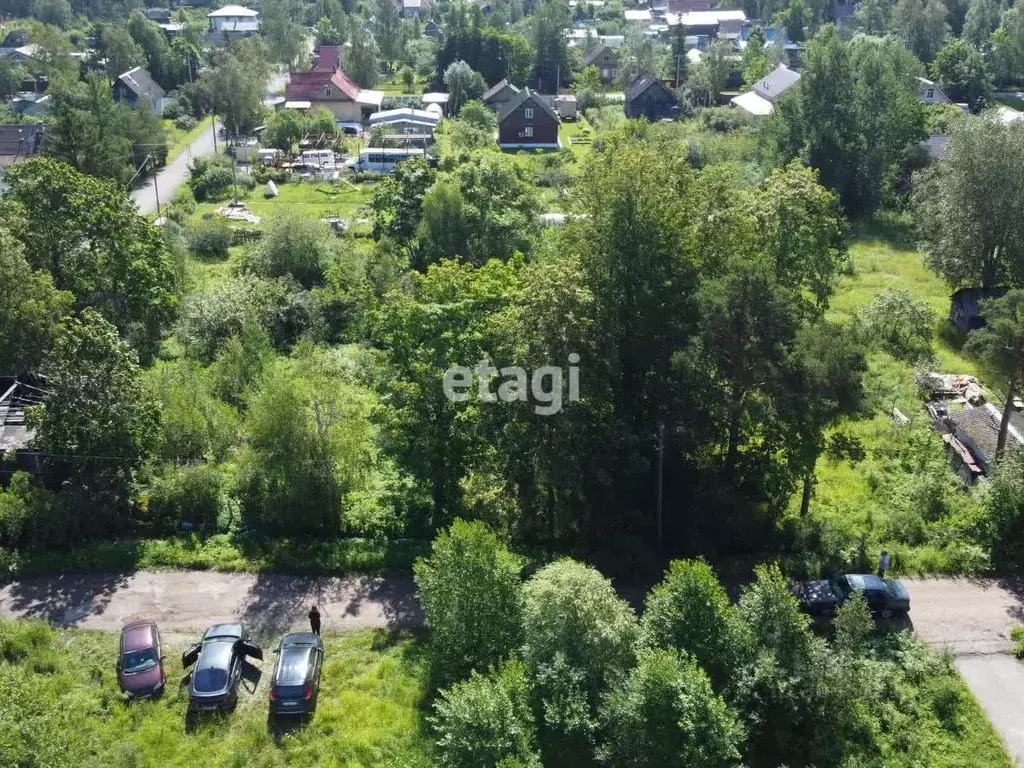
(234,18)
(930,93)
(760,100)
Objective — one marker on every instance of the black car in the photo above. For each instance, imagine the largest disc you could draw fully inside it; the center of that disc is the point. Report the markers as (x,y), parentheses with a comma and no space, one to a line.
(296,683)
(218,663)
(885,597)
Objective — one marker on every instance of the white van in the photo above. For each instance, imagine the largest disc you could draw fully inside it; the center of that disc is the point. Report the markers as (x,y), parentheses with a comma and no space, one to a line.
(317,157)
(383,159)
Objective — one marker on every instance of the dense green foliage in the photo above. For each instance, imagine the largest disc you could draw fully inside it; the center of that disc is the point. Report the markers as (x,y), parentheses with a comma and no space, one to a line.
(589,687)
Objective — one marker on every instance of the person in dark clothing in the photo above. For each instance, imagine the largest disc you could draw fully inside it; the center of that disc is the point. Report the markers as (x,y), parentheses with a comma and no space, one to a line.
(314,620)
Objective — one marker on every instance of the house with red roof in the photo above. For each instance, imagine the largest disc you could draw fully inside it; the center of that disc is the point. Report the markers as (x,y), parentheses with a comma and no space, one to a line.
(334,90)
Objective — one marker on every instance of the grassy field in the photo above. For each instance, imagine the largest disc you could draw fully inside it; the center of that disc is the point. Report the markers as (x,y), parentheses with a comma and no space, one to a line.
(903,497)
(60,706)
(305,199)
(178,140)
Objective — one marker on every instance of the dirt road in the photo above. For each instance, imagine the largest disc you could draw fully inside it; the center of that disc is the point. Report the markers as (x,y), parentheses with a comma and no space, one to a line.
(171,176)
(269,603)
(972,618)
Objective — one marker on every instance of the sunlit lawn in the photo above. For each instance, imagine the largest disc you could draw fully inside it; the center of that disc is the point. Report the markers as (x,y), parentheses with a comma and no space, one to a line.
(370,710)
(304,199)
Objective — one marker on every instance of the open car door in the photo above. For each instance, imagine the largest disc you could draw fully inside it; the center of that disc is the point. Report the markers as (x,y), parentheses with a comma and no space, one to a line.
(188,658)
(251,650)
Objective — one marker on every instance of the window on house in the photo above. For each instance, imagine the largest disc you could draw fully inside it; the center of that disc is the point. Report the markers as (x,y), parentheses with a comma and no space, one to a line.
(930,93)
(328,91)
(528,130)
(529,113)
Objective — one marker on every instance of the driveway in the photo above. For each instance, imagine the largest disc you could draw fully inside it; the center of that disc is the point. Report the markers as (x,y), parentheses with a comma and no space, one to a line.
(973,618)
(171,176)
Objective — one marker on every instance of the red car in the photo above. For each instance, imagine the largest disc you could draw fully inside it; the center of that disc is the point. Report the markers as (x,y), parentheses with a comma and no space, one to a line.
(140,666)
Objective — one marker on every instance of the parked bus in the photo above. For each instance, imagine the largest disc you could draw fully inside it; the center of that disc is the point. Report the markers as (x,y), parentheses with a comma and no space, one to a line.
(384,160)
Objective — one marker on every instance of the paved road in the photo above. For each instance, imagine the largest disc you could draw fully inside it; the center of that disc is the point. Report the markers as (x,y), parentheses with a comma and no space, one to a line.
(171,176)
(972,618)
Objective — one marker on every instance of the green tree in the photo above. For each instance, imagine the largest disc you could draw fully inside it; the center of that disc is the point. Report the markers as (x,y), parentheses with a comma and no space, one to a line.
(714,67)
(485,208)
(236,88)
(552,64)
(97,426)
(828,386)
(487,720)
(922,25)
(1000,344)
(966,206)
(361,62)
(902,324)
(580,640)
(479,116)
(408,78)
(387,30)
(854,626)
(963,72)
(469,587)
(980,22)
(872,16)
(398,200)
(638,54)
(311,449)
(120,50)
(30,310)
(666,714)
(88,235)
(301,248)
(11,76)
(1008,48)
(755,61)
(281,25)
(690,611)
(463,84)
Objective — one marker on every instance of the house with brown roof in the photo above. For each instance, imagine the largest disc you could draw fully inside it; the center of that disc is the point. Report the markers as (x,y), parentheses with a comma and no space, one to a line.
(328,58)
(606,61)
(334,91)
(528,122)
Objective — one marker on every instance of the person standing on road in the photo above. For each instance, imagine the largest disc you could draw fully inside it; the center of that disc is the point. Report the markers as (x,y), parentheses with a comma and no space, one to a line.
(314,620)
(883,564)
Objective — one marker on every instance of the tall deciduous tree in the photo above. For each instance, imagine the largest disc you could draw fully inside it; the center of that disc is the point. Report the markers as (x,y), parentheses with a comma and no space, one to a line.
(1001,345)
(922,25)
(97,425)
(469,586)
(30,310)
(964,73)
(387,30)
(968,206)
(88,235)
(463,84)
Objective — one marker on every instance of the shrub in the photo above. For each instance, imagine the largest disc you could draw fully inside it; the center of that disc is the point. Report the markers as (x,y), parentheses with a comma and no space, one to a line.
(580,639)
(172,109)
(21,639)
(1017,635)
(185,123)
(292,246)
(209,239)
(210,178)
(666,714)
(901,323)
(469,589)
(853,625)
(487,720)
(190,493)
(690,611)
(265,173)
(723,119)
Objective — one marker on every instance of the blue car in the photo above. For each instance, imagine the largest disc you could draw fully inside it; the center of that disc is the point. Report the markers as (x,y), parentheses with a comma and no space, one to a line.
(887,598)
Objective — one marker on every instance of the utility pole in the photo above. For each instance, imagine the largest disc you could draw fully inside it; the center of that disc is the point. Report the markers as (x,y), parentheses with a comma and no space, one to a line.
(678,60)
(214,124)
(234,181)
(661,470)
